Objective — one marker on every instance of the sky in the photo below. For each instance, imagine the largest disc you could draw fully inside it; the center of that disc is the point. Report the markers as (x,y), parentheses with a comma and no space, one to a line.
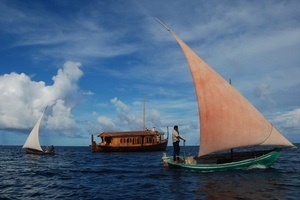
(93,62)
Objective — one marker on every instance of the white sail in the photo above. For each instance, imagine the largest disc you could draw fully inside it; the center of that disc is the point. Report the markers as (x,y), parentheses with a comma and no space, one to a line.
(32,141)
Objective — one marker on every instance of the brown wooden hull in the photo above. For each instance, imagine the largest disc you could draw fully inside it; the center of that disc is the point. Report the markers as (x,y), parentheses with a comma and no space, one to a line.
(105,148)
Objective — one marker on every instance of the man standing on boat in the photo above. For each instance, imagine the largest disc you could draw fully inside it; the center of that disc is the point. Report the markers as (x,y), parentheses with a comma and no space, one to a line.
(176,139)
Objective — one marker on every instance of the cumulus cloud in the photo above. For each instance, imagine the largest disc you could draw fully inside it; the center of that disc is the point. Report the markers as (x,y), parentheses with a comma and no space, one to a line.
(106,123)
(128,119)
(119,105)
(61,118)
(288,120)
(65,82)
(22,100)
(288,123)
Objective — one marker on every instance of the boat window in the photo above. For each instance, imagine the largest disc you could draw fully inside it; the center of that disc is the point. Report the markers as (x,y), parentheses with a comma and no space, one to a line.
(149,139)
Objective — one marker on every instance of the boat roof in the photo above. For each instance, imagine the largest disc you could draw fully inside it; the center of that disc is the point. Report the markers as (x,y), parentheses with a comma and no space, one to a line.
(129,133)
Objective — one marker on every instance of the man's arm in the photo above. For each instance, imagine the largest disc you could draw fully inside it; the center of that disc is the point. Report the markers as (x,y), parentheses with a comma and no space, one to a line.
(179,137)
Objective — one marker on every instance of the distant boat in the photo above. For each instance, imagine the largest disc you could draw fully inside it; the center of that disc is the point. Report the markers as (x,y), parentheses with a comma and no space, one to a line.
(32,144)
(227,121)
(125,141)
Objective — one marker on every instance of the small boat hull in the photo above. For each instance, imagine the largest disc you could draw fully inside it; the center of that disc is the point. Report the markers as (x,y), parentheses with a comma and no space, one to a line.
(36,152)
(107,148)
(265,160)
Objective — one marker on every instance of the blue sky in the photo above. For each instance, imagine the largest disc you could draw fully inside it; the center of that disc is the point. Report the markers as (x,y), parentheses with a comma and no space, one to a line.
(92,62)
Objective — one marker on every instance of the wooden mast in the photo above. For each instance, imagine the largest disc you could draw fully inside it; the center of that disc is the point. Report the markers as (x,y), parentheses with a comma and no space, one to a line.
(144,113)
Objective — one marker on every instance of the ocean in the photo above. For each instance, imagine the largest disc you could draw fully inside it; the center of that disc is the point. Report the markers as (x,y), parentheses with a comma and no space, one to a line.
(76,173)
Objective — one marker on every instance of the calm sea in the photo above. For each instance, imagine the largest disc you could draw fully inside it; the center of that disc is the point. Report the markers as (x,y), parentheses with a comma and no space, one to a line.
(76,173)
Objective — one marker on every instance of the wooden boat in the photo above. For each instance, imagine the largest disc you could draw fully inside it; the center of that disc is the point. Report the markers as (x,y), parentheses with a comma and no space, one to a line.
(125,141)
(227,121)
(32,144)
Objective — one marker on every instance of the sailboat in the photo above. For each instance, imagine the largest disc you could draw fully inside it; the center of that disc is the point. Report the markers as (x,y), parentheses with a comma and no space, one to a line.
(228,121)
(32,144)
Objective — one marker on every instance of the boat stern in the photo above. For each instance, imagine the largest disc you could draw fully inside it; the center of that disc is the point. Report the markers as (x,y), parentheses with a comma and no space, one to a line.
(165,159)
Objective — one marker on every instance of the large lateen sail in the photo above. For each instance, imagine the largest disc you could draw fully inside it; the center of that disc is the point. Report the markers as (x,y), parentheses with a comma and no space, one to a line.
(32,141)
(227,119)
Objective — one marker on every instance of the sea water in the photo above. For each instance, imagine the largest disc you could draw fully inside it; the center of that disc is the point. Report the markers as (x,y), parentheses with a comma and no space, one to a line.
(76,173)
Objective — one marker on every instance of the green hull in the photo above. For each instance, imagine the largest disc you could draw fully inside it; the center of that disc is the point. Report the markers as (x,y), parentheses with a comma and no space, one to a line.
(264,160)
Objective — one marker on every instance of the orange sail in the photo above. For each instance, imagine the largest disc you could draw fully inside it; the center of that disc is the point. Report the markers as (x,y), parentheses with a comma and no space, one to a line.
(227,119)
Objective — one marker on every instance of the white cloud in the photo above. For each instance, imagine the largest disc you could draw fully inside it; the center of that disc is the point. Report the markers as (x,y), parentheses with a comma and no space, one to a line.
(120,106)
(289,123)
(23,100)
(61,118)
(107,124)
(128,119)
(65,82)
(288,120)
(88,93)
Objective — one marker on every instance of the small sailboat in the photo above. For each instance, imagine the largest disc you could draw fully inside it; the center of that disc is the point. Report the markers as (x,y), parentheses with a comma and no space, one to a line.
(32,144)
(227,121)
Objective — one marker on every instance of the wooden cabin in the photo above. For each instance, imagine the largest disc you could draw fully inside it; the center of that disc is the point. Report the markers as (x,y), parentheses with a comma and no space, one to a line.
(145,140)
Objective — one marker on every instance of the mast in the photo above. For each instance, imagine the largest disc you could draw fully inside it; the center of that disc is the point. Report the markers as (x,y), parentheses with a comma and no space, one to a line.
(231,150)
(144,113)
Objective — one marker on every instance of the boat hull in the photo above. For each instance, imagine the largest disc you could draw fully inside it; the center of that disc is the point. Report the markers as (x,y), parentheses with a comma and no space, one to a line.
(36,152)
(107,148)
(265,160)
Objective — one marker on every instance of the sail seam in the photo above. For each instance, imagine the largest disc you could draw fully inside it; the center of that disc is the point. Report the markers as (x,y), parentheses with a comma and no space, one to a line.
(272,127)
